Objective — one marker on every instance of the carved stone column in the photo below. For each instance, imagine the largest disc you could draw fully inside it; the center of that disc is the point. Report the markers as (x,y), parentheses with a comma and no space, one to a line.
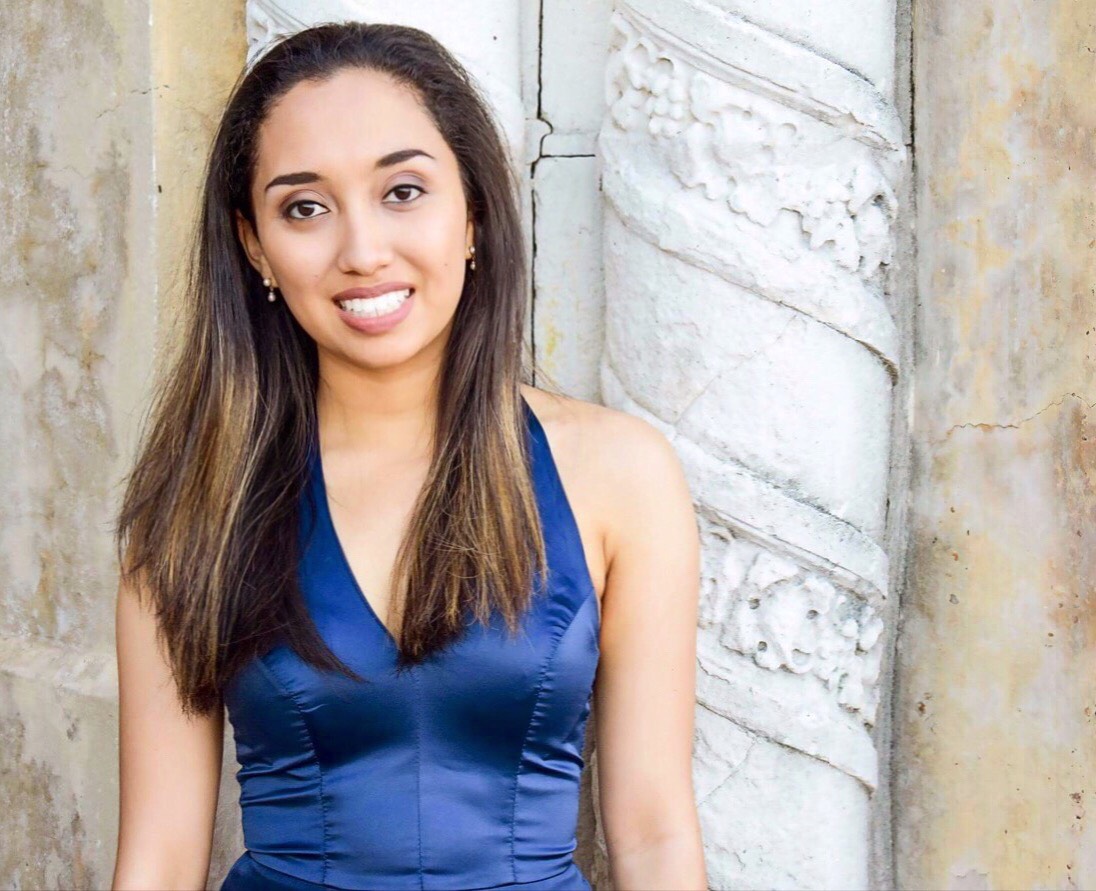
(750,207)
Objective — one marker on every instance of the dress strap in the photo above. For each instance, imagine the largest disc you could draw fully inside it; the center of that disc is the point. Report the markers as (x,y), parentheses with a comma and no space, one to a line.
(561,531)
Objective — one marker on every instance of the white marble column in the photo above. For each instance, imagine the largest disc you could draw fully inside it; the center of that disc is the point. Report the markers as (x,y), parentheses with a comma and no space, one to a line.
(750,158)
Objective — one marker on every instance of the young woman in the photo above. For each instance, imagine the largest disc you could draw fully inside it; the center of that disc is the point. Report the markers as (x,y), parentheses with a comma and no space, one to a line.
(402,570)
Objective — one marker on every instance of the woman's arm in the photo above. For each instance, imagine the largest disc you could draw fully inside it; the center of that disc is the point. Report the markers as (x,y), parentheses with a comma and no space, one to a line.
(645,692)
(170,766)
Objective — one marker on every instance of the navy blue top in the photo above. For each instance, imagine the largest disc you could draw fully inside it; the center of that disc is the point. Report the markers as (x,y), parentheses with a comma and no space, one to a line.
(463,773)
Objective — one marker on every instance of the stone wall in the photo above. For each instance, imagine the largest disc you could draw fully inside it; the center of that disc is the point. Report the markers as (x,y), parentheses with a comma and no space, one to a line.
(106,106)
(996,706)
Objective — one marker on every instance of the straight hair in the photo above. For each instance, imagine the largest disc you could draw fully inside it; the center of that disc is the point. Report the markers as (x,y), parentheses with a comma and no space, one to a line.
(208,529)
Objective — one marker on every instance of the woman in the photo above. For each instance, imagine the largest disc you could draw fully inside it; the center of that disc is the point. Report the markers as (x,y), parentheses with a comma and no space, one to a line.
(403,571)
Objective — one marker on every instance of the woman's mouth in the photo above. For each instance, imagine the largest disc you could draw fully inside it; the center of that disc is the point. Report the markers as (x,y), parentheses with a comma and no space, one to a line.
(375,315)
(375,307)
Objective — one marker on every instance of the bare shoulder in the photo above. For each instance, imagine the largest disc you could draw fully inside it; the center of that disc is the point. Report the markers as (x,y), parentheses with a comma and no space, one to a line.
(614,444)
(622,468)
(602,432)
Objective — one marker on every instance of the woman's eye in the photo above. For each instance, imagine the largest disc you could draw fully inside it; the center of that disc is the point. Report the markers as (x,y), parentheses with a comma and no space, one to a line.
(403,187)
(307,216)
(406,192)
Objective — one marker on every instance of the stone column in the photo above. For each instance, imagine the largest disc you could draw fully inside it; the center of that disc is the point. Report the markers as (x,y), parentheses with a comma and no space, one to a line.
(751,157)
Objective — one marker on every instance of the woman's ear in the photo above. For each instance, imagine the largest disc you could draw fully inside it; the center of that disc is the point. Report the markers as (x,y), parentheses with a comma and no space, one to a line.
(250,242)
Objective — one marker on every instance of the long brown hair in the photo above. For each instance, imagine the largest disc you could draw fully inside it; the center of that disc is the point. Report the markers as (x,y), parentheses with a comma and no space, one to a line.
(209,522)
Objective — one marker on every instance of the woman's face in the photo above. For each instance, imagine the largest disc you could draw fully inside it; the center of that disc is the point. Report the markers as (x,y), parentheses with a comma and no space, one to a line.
(356,188)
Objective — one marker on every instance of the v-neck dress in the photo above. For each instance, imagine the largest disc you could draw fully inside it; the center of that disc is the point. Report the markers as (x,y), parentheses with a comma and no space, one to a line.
(461,774)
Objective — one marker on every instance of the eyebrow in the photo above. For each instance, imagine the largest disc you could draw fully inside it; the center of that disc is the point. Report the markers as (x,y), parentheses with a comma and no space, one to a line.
(307,176)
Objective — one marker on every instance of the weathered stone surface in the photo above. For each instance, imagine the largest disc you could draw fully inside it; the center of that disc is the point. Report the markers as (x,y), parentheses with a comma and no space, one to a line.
(832,30)
(752,199)
(58,716)
(574,45)
(569,298)
(76,177)
(89,90)
(995,751)
(762,803)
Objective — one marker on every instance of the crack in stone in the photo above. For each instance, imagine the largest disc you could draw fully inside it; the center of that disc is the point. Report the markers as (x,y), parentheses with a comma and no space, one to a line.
(760,734)
(988,425)
(118,106)
(733,771)
(733,366)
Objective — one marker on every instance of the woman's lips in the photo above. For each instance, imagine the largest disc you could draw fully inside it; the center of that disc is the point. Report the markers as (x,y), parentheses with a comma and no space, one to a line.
(373,291)
(377,324)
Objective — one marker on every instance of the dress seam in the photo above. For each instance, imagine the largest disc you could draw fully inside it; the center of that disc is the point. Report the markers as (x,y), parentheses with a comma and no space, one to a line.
(315,756)
(518,885)
(548,662)
(418,777)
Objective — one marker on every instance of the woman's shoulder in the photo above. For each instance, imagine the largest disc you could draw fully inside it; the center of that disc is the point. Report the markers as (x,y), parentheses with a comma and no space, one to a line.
(608,453)
(611,439)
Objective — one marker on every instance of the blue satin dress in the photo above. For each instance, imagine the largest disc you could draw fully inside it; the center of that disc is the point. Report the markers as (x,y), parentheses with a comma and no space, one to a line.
(461,774)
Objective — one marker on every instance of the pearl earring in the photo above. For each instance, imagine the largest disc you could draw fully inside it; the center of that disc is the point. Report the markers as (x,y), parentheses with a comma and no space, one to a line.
(472,250)
(268,284)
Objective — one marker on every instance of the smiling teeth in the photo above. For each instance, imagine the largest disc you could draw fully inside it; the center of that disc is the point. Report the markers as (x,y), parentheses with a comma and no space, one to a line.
(371,307)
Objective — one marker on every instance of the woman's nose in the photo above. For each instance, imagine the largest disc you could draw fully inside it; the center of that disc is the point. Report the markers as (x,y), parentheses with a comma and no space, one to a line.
(365,243)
